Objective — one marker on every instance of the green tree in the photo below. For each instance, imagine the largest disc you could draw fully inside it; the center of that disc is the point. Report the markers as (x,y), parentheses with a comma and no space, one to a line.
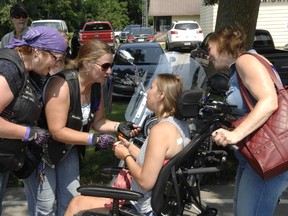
(242,12)
(115,12)
(134,11)
(75,12)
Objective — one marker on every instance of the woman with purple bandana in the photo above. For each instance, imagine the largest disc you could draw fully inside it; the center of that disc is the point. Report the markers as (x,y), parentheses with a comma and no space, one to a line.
(20,102)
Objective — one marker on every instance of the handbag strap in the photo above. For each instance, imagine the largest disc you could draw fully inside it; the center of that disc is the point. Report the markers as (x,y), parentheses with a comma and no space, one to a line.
(268,66)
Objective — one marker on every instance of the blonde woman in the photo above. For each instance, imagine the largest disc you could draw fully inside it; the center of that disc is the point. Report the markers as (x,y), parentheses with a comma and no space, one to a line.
(166,139)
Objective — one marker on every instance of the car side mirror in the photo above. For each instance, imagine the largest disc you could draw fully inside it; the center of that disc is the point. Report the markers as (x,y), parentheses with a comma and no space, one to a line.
(126,56)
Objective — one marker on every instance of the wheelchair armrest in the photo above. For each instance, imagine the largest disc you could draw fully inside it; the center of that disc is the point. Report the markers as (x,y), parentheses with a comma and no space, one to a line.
(109,192)
(217,156)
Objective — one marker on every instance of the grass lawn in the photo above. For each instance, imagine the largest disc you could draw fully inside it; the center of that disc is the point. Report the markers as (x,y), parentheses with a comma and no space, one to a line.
(95,161)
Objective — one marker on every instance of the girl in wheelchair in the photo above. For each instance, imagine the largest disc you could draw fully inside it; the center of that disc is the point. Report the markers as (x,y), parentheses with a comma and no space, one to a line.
(166,139)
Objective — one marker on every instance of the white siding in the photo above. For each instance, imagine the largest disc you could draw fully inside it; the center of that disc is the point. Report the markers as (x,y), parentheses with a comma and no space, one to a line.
(208,16)
(273,16)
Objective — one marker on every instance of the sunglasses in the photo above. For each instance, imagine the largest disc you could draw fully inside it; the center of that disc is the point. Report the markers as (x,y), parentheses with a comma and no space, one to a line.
(20,16)
(58,61)
(105,66)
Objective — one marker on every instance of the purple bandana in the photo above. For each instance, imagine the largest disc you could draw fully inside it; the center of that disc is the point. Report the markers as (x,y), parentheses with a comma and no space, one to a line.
(42,37)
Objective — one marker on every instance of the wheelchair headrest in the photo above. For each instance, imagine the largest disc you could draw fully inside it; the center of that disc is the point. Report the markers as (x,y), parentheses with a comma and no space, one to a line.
(187,104)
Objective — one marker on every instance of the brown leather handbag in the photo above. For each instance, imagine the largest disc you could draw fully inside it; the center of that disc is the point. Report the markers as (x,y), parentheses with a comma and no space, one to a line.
(266,149)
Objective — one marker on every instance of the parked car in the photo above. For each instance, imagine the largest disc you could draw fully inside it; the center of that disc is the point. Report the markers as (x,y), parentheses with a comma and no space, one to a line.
(101,30)
(57,24)
(183,35)
(117,35)
(140,34)
(146,57)
(123,34)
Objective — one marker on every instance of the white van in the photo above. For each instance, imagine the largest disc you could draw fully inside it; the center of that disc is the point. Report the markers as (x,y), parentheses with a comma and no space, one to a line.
(57,24)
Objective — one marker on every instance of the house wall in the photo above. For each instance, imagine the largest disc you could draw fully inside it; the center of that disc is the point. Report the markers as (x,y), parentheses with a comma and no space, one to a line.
(181,18)
(273,16)
(208,15)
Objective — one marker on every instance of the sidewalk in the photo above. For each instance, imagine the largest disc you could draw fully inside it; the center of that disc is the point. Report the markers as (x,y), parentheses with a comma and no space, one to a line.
(218,196)
(221,198)
(14,203)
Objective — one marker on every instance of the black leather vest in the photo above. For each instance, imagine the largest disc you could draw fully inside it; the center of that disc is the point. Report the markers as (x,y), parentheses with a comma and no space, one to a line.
(55,150)
(24,109)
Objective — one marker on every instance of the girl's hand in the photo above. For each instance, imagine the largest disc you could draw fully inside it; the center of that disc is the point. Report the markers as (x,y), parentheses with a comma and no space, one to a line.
(120,151)
(124,141)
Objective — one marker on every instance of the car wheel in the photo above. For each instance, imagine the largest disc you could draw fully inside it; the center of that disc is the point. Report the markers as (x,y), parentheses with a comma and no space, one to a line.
(168,48)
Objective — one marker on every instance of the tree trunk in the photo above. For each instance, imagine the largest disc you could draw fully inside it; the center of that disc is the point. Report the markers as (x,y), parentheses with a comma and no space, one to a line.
(243,12)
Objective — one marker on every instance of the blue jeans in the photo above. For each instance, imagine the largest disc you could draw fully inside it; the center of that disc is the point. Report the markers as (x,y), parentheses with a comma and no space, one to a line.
(59,186)
(4,176)
(255,196)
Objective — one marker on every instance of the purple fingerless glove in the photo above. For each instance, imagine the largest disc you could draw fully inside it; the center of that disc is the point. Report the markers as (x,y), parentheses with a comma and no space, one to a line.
(36,135)
(105,140)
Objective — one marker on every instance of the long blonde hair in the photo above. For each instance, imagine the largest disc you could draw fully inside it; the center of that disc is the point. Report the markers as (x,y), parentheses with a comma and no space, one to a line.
(89,51)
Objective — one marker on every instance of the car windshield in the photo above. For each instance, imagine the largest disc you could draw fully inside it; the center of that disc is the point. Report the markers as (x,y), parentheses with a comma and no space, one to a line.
(135,31)
(147,55)
(54,25)
(186,26)
(127,28)
(97,26)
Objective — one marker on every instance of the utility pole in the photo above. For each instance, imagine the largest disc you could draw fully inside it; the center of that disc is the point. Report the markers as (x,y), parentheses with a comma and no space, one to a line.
(144,13)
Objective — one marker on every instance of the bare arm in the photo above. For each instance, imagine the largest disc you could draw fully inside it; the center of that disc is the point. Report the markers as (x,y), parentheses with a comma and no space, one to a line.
(257,80)
(56,111)
(161,145)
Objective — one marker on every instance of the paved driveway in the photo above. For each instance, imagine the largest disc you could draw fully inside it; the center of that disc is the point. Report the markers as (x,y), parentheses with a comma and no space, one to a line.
(218,196)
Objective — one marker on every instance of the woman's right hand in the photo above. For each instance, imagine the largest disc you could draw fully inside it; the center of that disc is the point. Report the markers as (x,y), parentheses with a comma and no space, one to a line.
(223,137)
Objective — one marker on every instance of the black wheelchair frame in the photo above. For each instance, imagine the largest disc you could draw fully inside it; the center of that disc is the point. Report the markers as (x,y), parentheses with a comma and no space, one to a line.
(174,190)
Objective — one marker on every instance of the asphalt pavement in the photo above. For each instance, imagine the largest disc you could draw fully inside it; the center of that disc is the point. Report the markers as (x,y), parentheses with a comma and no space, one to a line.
(217,196)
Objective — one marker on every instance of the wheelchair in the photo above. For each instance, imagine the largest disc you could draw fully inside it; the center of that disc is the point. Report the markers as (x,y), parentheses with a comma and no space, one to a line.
(178,186)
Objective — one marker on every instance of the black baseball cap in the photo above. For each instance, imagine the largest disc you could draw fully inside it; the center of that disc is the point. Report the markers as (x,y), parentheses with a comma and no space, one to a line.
(18,10)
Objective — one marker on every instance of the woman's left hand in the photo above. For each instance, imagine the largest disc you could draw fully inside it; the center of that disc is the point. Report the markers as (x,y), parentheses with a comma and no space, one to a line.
(224,137)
